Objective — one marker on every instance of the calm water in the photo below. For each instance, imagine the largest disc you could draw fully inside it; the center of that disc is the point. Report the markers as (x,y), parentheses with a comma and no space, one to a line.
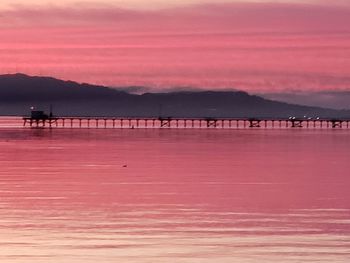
(109,195)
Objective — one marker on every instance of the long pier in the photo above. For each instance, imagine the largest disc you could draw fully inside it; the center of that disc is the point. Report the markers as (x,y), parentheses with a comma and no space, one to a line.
(142,122)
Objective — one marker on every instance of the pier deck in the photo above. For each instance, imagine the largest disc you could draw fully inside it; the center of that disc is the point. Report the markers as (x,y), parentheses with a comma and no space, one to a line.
(136,122)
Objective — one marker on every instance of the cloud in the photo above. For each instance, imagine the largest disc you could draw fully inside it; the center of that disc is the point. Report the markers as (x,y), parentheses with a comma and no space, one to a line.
(233,16)
(54,16)
(249,46)
(330,99)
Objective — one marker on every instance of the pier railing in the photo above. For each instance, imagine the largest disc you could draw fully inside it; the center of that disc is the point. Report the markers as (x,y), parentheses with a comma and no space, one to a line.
(142,122)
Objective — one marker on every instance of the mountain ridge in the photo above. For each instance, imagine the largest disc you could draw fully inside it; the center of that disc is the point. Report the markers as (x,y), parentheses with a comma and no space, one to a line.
(18,92)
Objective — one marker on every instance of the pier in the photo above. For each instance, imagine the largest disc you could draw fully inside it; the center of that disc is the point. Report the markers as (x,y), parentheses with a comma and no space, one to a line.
(44,121)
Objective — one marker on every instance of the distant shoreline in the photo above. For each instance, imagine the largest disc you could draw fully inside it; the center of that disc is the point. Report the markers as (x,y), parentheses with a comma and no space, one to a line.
(19,93)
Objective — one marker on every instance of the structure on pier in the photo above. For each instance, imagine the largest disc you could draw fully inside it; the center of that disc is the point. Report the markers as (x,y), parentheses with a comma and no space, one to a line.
(211,122)
(296,123)
(165,122)
(39,118)
(336,123)
(254,123)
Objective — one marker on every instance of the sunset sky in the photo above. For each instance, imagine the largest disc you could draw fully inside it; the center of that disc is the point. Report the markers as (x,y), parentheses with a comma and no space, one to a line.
(257,46)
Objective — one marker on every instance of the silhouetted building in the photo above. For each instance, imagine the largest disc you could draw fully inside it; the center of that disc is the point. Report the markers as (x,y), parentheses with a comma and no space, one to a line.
(38,114)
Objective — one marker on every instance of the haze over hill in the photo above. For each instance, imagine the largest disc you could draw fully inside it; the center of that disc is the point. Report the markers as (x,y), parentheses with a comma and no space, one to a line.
(18,92)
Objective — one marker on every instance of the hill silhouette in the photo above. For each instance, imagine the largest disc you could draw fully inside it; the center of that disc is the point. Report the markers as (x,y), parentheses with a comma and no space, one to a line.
(18,92)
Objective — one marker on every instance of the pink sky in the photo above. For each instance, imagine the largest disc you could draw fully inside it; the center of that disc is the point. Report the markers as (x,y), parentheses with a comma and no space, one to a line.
(293,45)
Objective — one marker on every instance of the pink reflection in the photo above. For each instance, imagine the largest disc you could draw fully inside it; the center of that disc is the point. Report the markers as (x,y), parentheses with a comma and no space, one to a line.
(248,172)
(255,194)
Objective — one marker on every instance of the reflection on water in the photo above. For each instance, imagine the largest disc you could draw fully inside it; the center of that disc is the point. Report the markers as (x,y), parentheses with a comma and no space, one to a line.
(174,196)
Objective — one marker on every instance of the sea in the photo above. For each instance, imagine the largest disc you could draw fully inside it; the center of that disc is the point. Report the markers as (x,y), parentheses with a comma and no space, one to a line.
(174,195)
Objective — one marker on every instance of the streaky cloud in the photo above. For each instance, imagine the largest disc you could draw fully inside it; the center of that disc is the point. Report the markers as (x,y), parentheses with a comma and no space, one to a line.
(249,46)
(246,16)
(328,98)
